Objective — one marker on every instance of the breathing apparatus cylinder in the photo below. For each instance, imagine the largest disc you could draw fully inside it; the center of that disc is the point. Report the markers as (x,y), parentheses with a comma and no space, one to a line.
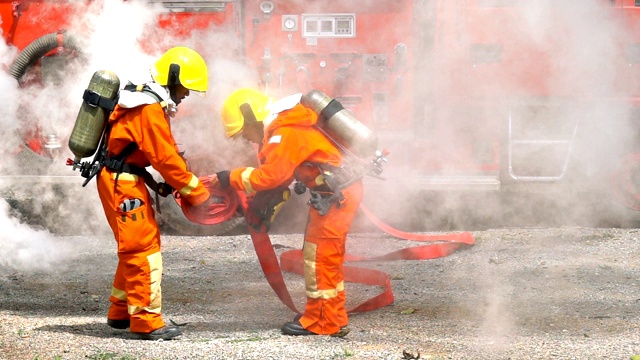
(340,124)
(92,117)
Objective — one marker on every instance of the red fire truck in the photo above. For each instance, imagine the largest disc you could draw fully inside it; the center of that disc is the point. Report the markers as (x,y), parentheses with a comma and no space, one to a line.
(501,96)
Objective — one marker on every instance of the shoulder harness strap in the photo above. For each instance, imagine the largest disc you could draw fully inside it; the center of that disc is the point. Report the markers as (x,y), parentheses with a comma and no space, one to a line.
(144,88)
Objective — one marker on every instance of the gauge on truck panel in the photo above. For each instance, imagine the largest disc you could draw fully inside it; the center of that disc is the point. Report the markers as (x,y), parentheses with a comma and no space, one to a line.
(329,25)
(289,22)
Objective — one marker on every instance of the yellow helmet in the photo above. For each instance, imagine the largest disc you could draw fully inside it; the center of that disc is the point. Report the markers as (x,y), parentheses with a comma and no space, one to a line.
(181,65)
(235,108)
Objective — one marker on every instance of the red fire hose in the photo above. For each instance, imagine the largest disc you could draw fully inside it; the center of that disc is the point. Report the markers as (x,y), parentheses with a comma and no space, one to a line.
(217,212)
(442,245)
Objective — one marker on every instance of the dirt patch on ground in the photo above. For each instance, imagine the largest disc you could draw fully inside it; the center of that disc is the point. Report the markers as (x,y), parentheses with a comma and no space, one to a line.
(537,293)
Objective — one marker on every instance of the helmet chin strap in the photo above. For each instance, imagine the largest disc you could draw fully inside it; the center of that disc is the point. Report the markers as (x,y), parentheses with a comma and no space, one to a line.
(173,81)
(172,94)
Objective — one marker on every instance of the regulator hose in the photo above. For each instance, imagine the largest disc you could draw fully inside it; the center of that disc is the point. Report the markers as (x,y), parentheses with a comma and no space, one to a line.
(39,48)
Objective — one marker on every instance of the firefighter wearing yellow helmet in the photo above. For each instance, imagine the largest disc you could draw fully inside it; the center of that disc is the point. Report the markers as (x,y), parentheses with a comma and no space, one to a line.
(293,146)
(181,66)
(232,110)
(138,135)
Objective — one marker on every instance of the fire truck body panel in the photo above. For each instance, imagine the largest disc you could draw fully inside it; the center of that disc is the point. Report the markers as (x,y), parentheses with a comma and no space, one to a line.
(513,90)
(325,46)
(472,94)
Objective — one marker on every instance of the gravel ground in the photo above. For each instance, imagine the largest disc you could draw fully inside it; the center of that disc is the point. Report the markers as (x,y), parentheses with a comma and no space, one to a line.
(526,293)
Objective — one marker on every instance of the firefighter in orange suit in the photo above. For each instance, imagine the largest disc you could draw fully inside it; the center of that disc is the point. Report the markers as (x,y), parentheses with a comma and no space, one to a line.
(292,146)
(141,118)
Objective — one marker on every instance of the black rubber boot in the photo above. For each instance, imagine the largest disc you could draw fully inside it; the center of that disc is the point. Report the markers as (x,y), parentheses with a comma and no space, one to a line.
(163,333)
(118,324)
(342,332)
(295,326)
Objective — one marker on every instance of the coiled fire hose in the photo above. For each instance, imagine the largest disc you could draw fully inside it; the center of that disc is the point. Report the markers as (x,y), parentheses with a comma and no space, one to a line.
(217,212)
(231,201)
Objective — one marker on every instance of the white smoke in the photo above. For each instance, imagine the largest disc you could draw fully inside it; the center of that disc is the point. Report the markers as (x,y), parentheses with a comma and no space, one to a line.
(575,46)
(108,34)
(25,248)
(124,37)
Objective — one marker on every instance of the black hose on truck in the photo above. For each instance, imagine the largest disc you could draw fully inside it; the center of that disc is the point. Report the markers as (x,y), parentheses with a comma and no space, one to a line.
(34,163)
(39,48)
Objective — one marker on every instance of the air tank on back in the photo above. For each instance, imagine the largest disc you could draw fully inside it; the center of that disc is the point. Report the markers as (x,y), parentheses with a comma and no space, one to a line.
(341,124)
(93,114)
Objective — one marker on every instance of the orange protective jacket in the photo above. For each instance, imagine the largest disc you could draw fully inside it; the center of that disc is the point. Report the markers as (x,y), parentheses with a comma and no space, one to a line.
(149,127)
(290,140)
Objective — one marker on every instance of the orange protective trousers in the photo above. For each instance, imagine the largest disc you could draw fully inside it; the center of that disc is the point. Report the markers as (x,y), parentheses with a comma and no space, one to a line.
(136,293)
(323,253)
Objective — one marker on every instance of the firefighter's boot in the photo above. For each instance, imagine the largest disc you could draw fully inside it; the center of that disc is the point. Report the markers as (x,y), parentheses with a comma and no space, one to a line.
(295,328)
(163,333)
(119,324)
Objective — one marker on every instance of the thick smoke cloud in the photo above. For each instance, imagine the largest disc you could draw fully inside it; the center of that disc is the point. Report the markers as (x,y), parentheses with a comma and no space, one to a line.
(111,35)
(26,248)
(548,68)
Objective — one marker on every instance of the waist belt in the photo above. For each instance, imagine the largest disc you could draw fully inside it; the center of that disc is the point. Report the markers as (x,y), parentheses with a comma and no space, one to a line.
(131,172)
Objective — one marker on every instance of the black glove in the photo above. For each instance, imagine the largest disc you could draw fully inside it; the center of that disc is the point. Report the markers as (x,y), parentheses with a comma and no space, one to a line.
(265,205)
(223,178)
(164,189)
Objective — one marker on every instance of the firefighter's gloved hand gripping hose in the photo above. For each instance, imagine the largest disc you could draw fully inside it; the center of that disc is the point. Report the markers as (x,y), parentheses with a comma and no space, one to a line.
(232,201)
(216,212)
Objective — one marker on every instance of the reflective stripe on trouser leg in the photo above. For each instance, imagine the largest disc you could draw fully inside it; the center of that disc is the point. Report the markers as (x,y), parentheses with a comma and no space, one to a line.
(323,253)
(144,296)
(118,309)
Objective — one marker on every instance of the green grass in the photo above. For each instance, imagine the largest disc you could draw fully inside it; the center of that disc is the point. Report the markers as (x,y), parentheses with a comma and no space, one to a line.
(345,354)
(101,355)
(256,338)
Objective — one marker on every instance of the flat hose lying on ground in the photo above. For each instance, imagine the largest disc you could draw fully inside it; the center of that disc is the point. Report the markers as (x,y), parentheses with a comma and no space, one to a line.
(292,261)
